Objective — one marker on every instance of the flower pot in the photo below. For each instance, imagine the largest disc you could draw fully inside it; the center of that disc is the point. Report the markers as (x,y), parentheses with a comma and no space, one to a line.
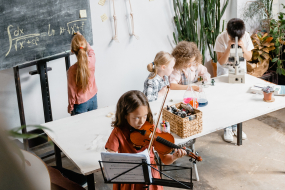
(214,65)
(258,69)
(267,96)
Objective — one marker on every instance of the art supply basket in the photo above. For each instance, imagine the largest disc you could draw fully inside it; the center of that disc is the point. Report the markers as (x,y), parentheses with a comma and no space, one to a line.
(182,126)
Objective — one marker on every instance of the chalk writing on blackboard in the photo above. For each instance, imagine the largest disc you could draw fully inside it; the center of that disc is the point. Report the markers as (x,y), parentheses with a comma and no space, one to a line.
(17,37)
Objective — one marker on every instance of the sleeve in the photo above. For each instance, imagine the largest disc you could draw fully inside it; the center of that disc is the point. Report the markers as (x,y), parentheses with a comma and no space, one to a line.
(249,44)
(71,91)
(219,45)
(150,92)
(202,70)
(91,56)
(113,141)
(175,77)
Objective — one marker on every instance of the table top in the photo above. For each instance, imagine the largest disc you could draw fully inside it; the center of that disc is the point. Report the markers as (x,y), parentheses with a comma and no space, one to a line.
(82,137)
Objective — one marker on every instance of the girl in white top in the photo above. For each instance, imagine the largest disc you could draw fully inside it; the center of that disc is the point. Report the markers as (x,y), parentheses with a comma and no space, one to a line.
(188,59)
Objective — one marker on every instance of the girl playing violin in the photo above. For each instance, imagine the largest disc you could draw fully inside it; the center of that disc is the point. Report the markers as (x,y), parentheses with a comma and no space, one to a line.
(133,111)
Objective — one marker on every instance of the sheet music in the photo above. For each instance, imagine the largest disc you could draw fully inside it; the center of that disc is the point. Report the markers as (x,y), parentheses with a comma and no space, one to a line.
(112,170)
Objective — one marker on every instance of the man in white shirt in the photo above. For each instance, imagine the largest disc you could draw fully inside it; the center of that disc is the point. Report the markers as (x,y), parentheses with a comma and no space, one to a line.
(235,27)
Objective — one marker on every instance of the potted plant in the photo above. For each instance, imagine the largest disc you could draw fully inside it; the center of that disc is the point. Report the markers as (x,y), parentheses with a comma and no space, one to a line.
(186,21)
(213,12)
(259,62)
(267,92)
(277,31)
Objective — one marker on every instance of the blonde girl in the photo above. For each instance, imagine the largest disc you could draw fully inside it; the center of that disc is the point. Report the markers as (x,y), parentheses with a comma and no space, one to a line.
(82,89)
(160,68)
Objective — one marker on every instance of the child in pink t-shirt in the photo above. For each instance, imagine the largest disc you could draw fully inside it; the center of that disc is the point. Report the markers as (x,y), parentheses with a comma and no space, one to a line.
(82,89)
(188,60)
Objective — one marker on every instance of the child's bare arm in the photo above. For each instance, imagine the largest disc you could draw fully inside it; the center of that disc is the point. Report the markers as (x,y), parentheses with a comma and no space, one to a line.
(174,86)
(109,150)
(223,56)
(169,159)
(246,54)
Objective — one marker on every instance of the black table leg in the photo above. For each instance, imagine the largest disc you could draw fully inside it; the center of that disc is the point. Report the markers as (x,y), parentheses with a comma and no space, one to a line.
(239,134)
(91,182)
(57,156)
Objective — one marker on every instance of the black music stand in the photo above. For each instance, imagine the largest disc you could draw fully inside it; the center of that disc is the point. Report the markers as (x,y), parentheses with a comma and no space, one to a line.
(155,181)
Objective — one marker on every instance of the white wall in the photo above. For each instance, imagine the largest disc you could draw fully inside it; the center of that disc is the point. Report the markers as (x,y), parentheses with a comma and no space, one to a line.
(119,66)
(280,6)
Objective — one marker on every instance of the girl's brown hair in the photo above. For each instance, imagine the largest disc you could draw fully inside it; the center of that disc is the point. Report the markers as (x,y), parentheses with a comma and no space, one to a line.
(128,103)
(184,52)
(79,47)
(161,58)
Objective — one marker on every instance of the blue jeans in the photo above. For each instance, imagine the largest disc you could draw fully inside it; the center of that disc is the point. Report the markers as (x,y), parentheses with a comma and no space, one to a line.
(233,127)
(91,104)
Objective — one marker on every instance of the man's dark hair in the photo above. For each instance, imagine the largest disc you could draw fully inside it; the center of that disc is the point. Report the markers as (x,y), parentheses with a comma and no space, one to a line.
(235,27)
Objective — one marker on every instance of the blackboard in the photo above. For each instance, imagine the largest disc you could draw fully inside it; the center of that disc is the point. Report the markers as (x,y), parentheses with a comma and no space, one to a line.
(35,29)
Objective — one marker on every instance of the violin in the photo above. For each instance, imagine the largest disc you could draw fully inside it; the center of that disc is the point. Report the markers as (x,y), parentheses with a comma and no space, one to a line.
(162,142)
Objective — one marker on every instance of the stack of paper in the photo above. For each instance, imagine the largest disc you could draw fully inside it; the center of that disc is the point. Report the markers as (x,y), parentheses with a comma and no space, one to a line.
(279,90)
(112,170)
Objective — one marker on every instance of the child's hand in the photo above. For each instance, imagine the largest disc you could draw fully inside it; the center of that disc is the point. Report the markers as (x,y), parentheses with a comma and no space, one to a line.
(196,88)
(241,44)
(78,33)
(179,153)
(230,42)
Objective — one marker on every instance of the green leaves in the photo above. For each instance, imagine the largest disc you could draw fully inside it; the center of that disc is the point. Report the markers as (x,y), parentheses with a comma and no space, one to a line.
(283,71)
(174,37)
(275,30)
(16,132)
(274,60)
(213,13)
(208,14)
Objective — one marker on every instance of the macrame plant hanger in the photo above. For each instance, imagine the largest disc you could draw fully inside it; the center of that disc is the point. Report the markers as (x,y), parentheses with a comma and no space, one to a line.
(132,22)
(115,24)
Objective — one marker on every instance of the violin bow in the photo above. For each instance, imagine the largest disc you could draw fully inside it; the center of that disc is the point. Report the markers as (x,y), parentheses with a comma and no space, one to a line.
(157,122)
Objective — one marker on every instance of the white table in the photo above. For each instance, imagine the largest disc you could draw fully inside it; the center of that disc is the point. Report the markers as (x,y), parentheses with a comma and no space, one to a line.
(82,137)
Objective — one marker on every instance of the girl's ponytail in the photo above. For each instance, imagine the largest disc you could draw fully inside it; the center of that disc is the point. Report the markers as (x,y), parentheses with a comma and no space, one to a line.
(82,72)
(153,69)
(161,58)
(79,47)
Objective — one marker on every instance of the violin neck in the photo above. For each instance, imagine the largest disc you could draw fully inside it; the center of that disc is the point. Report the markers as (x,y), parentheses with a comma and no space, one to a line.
(166,142)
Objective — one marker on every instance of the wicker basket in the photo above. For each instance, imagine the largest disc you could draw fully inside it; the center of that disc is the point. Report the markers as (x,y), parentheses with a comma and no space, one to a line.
(182,126)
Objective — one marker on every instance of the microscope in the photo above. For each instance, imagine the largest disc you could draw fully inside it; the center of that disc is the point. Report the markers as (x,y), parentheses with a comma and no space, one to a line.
(236,74)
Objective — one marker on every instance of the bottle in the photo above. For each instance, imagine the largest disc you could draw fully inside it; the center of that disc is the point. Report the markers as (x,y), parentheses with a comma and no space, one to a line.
(202,99)
(190,95)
